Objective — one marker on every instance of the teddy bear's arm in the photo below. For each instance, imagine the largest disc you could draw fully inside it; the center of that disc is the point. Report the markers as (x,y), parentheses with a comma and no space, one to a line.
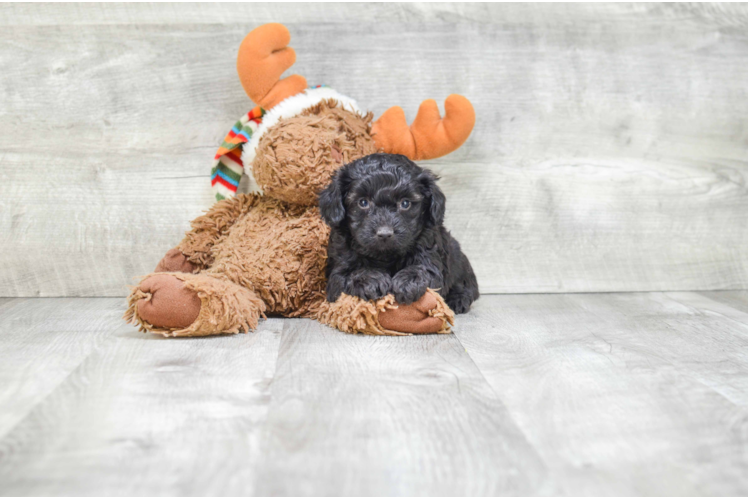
(207,229)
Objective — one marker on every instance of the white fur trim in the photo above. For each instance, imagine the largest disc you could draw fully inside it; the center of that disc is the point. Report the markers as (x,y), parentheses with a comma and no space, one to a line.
(288,108)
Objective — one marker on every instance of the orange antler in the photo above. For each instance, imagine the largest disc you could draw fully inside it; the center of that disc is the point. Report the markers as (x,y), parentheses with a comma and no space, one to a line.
(430,136)
(263,57)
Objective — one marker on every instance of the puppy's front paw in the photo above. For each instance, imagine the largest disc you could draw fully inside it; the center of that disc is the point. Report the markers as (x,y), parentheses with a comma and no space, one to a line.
(369,284)
(408,287)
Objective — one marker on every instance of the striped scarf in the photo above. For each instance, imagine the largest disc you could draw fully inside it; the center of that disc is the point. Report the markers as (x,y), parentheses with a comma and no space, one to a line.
(227,165)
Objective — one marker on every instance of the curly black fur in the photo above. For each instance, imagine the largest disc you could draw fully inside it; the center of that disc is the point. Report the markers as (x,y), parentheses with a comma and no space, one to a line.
(386,215)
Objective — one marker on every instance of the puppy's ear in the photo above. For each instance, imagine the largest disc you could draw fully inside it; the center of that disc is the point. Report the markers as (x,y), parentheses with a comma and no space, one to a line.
(331,205)
(436,200)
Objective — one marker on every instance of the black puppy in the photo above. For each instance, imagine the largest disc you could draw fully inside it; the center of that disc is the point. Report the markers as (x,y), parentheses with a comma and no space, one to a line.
(386,215)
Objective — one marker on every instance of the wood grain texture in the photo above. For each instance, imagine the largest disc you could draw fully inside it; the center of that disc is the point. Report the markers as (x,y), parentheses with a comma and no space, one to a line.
(721,14)
(622,394)
(589,394)
(382,416)
(736,299)
(308,411)
(609,152)
(143,415)
(42,342)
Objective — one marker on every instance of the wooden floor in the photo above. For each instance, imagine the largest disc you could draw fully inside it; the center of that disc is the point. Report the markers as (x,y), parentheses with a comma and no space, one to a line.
(625,394)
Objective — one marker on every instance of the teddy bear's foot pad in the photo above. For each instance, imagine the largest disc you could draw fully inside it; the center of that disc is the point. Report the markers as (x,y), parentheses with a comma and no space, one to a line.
(192,305)
(167,302)
(414,318)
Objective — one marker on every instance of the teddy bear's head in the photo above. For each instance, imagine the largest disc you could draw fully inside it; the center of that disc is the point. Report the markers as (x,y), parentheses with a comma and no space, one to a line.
(302,135)
(295,159)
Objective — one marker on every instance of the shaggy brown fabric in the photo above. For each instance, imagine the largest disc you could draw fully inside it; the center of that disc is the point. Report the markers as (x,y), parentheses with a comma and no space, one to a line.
(207,229)
(296,158)
(224,307)
(278,250)
(254,254)
(430,314)
(272,260)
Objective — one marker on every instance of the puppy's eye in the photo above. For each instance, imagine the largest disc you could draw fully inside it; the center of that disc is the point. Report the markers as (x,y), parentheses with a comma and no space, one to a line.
(363,203)
(405,204)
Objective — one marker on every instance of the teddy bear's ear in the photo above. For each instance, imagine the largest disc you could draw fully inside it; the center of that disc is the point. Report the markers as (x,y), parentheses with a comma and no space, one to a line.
(331,206)
(430,136)
(263,57)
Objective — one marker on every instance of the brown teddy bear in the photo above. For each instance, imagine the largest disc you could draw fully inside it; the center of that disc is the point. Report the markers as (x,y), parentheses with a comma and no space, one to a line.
(265,252)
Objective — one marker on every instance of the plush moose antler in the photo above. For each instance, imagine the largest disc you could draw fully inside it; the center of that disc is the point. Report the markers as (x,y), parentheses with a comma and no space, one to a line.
(263,57)
(430,136)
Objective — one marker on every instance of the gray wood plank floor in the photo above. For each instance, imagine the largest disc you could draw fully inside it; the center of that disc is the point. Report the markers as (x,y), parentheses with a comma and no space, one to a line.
(611,394)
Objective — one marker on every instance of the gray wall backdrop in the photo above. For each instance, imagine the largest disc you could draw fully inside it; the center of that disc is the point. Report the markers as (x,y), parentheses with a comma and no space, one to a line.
(610,151)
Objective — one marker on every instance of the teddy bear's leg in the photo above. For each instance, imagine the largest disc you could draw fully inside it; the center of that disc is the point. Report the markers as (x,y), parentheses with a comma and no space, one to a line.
(194,253)
(187,305)
(429,314)
(196,249)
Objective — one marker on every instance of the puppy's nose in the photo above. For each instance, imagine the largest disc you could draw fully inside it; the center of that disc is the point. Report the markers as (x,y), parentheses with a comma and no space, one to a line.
(384,233)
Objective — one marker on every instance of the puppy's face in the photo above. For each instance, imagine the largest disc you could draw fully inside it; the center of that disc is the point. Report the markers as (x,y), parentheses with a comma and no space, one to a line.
(384,202)
(384,213)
